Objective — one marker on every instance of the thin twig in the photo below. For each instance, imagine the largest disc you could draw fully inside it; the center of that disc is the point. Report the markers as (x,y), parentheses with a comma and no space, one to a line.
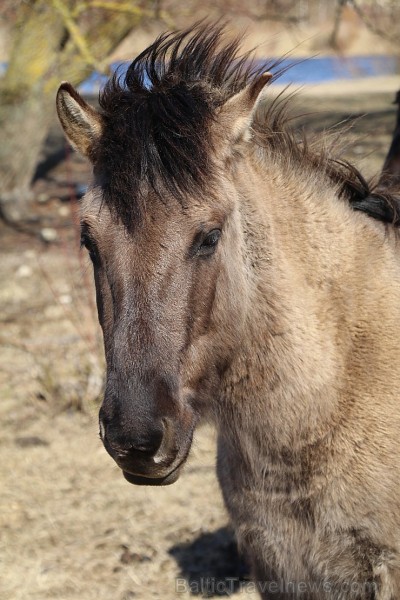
(124,7)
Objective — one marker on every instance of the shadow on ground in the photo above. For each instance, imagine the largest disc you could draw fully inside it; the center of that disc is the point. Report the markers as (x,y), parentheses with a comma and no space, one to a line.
(210,565)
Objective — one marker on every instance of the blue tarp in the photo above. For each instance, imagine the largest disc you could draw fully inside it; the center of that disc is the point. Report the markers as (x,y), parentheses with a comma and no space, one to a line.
(311,70)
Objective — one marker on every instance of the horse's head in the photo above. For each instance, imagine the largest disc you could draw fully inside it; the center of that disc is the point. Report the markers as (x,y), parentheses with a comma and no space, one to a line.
(163,229)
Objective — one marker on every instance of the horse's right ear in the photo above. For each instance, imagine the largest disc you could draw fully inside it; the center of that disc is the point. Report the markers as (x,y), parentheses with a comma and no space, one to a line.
(82,124)
(239,110)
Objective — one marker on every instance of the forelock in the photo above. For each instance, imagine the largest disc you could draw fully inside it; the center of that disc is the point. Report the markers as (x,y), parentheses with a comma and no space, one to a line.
(157,118)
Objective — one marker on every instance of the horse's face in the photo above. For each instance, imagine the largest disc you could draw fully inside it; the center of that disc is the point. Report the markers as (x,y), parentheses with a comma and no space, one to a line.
(171,292)
(169,302)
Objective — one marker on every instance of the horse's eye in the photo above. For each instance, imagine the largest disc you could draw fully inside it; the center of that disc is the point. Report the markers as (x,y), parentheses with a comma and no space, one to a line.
(90,246)
(209,243)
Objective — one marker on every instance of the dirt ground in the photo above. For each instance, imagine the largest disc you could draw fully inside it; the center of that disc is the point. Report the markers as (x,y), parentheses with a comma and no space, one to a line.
(71,527)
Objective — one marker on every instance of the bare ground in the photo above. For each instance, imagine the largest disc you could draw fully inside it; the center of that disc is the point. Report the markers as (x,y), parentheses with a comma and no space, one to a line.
(71,526)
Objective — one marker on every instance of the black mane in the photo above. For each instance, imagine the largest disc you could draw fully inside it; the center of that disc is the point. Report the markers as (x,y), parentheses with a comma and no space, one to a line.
(157,120)
(157,116)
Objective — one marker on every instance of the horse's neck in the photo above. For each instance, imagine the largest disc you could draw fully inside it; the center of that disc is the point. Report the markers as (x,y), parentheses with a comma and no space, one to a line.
(289,373)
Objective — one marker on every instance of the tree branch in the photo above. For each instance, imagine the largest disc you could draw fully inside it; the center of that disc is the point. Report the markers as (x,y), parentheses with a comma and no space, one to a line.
(124,7)
(394,39)
(76,36)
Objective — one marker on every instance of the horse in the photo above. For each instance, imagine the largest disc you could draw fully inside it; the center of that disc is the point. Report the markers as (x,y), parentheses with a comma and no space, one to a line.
(247,275)
(391,167)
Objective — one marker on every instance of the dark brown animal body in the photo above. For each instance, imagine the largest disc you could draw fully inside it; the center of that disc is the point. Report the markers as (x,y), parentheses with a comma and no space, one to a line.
(240,276)
(391,166)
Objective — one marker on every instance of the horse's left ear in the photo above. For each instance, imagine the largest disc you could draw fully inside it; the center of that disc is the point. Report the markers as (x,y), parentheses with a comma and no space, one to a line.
(239,110)
(82,124)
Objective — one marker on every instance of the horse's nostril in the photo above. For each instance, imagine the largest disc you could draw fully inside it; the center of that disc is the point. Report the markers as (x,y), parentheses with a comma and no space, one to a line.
(102,429)
(125,444)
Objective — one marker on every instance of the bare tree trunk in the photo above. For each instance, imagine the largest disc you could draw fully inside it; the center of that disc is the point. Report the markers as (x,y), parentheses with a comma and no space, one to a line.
(390,175)
(338,19)
(43,53)
(25,104)
(157,8)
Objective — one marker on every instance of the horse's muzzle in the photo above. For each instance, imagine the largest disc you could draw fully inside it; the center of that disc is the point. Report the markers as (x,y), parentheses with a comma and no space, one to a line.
(170,477)
(159,460)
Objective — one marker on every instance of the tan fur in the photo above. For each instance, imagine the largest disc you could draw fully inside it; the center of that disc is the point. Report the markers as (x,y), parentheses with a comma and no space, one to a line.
(309,424)
(287,337)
